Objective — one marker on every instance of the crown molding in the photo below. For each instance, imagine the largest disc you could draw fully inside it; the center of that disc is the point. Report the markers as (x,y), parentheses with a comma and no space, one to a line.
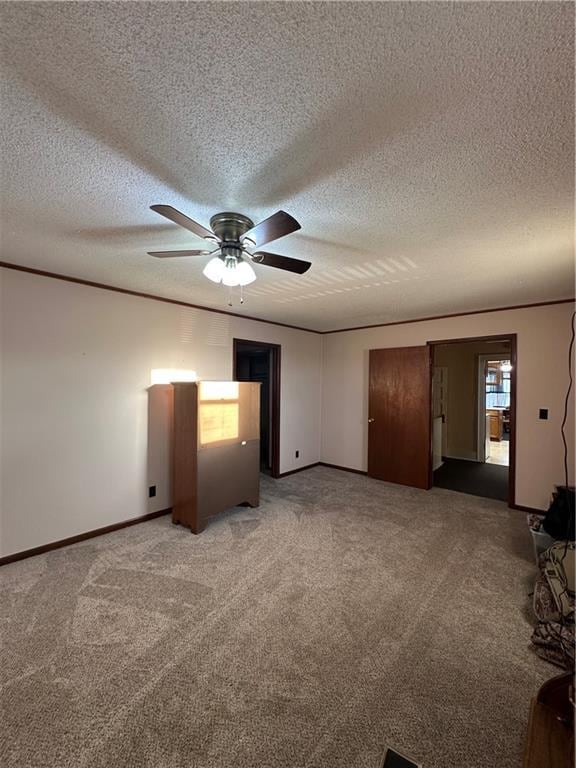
(453,314)
(165,300)
(140,294)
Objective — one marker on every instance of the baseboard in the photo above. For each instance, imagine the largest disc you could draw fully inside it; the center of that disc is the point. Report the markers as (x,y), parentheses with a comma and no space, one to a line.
(531,510)
(135,520)
(344,469)
(152,515)
(81,537)
(295,471)
(322,464)
(463,458)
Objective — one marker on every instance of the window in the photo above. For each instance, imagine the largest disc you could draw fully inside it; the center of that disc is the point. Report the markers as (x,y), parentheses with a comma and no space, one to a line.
(498,384)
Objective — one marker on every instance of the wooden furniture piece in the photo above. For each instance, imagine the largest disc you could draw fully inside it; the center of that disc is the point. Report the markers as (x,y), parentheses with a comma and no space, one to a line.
(496,424)
(216,449)
(550,739)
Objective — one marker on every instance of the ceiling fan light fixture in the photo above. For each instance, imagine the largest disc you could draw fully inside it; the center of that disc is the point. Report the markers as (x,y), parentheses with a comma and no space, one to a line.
(246,274)
(237,272)
(214,270)
(230,278)
(233,234)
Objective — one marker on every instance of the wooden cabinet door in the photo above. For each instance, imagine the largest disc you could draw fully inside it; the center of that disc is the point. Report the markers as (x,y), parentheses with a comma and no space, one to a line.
(495,425)
(399,440)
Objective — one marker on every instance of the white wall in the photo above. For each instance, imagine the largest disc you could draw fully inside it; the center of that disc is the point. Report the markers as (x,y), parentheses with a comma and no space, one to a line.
(75,365)
(543,338)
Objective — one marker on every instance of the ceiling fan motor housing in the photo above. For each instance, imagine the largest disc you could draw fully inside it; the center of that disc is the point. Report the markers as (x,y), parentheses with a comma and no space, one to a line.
(230,227)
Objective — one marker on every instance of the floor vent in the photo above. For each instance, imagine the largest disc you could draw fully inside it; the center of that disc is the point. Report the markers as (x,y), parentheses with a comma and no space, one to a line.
(393,759)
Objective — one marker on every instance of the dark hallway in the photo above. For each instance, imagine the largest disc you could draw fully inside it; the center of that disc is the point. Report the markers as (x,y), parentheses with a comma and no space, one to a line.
(256,361)
(478,479)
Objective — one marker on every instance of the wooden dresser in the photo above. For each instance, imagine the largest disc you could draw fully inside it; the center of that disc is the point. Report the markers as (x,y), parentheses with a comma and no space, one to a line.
(216,449)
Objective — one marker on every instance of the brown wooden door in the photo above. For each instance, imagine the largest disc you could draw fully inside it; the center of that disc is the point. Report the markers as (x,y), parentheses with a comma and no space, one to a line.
(399,416)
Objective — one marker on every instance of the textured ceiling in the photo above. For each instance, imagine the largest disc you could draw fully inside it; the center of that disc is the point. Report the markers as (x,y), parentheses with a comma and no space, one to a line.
(426,148)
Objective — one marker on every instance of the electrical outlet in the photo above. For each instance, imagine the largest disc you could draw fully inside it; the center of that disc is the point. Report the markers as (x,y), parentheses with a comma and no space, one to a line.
(151,491)
(297,454)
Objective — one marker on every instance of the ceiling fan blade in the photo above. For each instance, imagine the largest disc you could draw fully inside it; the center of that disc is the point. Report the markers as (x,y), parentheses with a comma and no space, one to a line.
(281,262)
(174,254)
(184,221)
(275,226)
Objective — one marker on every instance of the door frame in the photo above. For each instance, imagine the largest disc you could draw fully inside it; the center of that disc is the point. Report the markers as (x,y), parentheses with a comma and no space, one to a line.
(433,369)
(513,339)
(481,408)
(275,367)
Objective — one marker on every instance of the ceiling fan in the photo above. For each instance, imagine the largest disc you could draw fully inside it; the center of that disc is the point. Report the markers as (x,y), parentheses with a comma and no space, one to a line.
(235,236)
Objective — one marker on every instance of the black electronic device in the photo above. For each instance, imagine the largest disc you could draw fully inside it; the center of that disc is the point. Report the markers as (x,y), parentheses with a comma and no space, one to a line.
(559,520)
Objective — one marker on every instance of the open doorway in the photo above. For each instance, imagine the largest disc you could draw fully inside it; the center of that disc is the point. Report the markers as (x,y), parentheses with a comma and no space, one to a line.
(260,361)
(494,372)
(473,424)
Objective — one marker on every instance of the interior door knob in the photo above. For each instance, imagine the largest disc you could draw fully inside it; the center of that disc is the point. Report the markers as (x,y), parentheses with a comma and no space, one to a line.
(370,421)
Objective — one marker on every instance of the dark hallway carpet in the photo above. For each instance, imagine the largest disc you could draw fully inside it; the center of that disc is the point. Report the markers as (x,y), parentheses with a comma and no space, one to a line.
(488,480)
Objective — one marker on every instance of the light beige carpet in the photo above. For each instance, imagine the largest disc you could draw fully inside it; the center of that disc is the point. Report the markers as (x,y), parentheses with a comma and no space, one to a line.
(342,615)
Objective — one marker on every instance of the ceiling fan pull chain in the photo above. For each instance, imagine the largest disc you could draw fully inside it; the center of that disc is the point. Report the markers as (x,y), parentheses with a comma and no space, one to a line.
(229,297)
(241,294)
